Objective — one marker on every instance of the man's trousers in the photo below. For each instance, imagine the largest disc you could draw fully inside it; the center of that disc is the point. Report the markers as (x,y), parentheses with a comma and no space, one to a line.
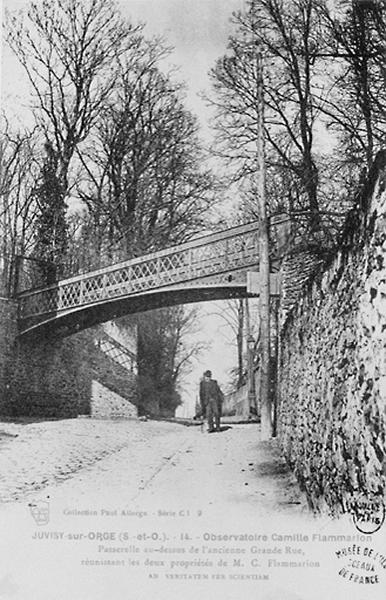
(213,414)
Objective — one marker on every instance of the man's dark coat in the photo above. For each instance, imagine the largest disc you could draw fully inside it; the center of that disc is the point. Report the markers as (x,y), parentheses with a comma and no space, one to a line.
(210,389)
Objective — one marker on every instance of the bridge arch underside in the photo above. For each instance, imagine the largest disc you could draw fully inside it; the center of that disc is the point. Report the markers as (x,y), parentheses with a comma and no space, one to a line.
(67,322)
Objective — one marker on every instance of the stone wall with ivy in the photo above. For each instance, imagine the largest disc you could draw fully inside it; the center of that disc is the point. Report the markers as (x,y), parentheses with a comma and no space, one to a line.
(332,376)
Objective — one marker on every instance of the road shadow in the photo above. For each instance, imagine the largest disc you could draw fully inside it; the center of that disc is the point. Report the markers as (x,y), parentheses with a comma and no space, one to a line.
(224,428)
(272,468)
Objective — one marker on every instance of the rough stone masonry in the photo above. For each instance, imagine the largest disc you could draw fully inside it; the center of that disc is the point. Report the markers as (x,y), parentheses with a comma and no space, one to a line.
(61,378)
(332,376)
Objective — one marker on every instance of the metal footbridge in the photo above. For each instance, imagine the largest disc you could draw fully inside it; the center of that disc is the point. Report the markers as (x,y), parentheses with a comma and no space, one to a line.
(215,266)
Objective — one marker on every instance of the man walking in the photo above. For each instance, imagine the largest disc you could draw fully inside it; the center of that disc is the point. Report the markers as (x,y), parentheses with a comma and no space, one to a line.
(211,398)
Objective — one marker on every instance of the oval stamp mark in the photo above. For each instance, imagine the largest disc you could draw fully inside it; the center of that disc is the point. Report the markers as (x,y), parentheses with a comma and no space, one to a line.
(368,515)
(362,564)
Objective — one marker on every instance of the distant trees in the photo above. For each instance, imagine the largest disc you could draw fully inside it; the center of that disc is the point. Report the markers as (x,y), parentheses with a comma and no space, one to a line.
(164,356)
(235,314)
(19,170)
(232,312)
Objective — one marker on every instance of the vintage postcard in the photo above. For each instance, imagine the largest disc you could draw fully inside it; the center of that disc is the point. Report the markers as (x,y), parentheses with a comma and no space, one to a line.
(192,300)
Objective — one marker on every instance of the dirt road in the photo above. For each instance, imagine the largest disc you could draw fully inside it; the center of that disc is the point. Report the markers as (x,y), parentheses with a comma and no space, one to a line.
(136,511)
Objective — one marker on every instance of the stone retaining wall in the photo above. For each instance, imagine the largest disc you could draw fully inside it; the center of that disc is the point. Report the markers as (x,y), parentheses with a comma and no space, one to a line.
(47,379)
(8,331)
(332,375)
(236,403)
(54,378)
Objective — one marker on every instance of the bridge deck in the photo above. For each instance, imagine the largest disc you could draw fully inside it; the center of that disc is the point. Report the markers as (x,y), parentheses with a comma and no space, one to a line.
(218,259)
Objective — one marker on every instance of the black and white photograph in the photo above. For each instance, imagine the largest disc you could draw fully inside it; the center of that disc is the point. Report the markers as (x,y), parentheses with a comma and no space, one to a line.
(193,300)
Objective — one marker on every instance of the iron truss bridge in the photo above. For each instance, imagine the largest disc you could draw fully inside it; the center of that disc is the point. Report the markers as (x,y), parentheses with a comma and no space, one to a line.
(212,267)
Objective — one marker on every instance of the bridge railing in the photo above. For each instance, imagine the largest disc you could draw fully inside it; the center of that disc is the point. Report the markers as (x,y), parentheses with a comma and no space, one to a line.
(228,250)
(117,352)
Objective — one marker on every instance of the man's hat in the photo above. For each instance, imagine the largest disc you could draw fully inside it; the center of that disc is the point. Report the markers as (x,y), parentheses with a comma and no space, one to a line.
(208,374)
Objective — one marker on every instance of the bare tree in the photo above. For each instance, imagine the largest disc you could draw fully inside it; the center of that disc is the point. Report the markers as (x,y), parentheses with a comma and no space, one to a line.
(19,170)
(354,104)
(233,312)
(144,182)
(69,50)
(288,36)
(165,355)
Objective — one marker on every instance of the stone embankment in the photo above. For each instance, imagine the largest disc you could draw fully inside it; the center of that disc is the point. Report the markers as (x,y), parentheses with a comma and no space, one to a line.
(63,377)
(332,379)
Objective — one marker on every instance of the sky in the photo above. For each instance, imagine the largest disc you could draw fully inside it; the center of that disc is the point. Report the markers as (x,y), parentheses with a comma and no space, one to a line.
(198,31)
